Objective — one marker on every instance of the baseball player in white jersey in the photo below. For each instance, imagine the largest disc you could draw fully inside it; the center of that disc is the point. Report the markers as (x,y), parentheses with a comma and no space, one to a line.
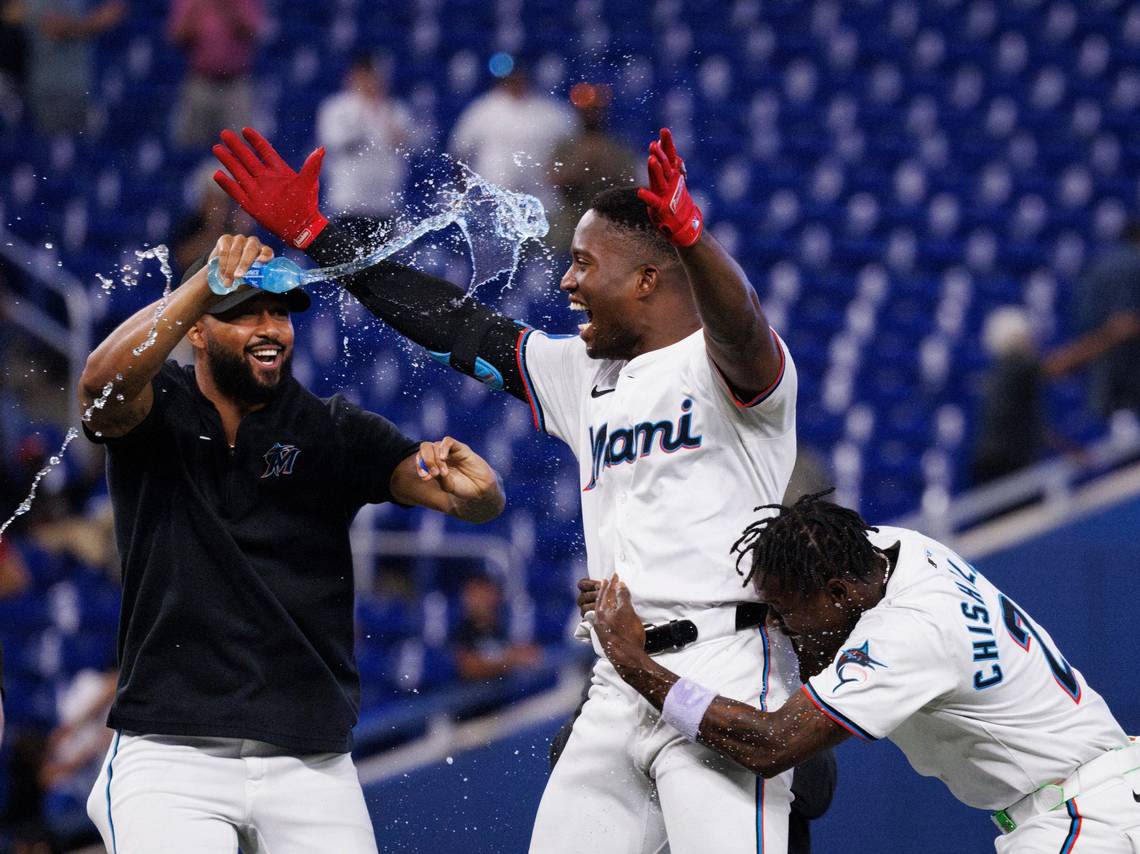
(908,641)
(679,403)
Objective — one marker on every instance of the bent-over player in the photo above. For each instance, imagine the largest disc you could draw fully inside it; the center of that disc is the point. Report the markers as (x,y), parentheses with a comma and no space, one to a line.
(233,490)
(679,402)
(908,641)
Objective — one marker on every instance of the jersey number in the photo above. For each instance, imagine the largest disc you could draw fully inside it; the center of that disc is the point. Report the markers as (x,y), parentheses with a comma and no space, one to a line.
(1022,630)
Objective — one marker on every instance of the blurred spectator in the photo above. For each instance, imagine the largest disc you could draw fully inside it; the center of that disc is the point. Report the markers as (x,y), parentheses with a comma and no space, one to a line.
(23,815)
(52,496)
(1011,430)
(87,537)
(14,577)
(13,60)
(1108,316)
(75,748)
(51,775)
(60,67)
(362,128)
(219,38)
(508,135)
(482,648)
(215,214)
(588,162)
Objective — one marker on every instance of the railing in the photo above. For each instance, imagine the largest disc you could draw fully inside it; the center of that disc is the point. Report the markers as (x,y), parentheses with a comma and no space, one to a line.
(432,718)
(72,339)
(500,558)
(429,720)
(1049,485)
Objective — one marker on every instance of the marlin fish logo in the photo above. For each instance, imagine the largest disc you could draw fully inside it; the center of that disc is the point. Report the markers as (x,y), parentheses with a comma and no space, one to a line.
(280,459)
(858,659)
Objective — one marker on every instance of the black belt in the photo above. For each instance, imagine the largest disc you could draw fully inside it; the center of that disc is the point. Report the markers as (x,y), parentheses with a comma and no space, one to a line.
(679,633)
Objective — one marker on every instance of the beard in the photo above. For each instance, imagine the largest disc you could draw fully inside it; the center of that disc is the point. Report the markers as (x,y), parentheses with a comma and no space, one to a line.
(235,378)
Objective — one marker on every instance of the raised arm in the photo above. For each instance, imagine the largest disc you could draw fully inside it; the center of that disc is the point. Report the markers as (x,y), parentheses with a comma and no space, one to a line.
(1083,351)
(736,332)
(115,361)
(430,311)
(765,743)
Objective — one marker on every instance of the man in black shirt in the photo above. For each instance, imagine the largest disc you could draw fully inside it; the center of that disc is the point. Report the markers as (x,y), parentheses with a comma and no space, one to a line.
(233,489)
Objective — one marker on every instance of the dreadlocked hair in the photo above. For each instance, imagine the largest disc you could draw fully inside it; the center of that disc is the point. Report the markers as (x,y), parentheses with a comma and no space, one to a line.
(803,546)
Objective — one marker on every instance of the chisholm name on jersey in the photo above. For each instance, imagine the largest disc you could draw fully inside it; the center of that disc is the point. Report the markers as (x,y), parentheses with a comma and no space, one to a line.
(627,444)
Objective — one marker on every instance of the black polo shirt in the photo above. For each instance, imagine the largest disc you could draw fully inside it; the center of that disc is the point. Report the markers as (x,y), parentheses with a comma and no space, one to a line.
(237,612)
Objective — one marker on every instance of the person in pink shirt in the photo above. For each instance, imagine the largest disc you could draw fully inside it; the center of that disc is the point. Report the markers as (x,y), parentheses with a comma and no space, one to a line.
(219,38)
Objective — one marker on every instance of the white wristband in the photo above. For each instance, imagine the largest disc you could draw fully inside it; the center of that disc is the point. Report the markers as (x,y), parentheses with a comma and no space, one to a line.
(685,706)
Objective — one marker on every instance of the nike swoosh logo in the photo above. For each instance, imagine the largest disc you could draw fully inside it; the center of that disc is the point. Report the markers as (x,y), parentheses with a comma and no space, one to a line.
(595,392)
(1136,797)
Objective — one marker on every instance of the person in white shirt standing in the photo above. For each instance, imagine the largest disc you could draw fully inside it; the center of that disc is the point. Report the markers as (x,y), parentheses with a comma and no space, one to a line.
(508,136)
(679,402)
(903,639)
(364,130)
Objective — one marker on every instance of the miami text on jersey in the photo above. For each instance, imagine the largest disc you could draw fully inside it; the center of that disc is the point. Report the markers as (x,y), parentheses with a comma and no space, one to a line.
(978,624)
(627,444)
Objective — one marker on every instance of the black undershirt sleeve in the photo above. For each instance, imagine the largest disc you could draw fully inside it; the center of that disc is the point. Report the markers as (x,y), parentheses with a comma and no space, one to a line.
(432,312)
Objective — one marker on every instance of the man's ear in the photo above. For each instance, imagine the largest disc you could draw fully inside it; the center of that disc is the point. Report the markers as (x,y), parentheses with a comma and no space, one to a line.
(648,277)
(196,334)
(838,590)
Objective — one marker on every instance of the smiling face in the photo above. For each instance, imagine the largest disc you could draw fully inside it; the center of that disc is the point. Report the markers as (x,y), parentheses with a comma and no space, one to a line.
(248,350)
(603,283)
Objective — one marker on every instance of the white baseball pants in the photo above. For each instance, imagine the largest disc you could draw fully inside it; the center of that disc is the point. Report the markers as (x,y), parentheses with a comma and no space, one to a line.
(199,795)
(1103,821)
(628,783)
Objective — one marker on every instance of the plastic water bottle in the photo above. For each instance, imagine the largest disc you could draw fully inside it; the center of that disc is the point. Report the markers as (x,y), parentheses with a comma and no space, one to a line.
(275,276)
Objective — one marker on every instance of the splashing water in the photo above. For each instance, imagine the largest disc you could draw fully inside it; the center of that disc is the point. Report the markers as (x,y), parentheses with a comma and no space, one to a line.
(162,254)
(53,461)
(495,223)
(130,279)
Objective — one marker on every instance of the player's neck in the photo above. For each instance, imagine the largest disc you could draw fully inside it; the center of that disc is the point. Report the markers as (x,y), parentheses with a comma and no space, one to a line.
(667,330)
(884,572)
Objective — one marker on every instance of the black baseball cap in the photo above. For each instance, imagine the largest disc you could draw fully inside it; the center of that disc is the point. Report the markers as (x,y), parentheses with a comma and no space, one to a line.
(296,299)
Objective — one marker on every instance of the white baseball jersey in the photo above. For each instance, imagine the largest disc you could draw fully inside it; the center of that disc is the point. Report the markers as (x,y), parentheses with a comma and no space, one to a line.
(671,464)
(971,689)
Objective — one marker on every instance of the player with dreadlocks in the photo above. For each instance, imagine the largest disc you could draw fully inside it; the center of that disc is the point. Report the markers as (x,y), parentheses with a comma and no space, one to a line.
(899,637)
(799,550)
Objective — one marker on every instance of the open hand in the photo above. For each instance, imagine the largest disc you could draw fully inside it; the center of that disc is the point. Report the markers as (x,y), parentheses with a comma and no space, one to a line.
(670,206)
(267,188)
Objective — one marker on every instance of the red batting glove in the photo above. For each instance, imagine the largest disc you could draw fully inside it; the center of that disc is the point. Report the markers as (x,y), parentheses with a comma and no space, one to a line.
(281,200)
(671,208)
